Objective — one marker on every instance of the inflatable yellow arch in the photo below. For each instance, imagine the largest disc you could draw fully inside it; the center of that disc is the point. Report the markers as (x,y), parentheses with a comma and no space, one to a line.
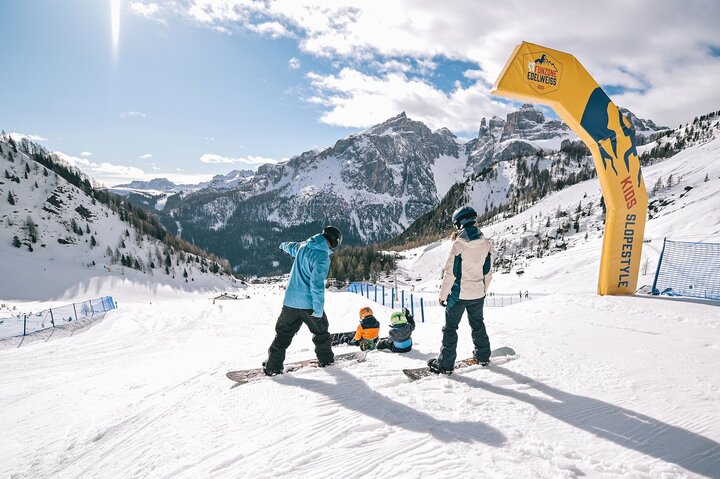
(542,75)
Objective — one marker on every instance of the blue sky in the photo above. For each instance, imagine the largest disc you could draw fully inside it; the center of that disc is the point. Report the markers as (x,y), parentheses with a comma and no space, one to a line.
(200,87)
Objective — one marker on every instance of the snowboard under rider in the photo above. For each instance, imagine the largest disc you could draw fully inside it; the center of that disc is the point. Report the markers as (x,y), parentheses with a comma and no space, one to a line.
(466,277)
(399,339)
(305,299)
(367,331)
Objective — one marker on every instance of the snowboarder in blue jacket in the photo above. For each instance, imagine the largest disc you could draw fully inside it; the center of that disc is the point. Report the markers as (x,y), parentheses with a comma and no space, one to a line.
(305,299)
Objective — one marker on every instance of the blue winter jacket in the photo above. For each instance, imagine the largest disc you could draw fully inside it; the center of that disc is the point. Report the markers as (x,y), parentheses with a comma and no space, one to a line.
(306,288)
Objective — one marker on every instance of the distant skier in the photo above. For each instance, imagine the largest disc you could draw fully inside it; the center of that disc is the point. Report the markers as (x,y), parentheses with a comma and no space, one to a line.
(367,332)
(399,340)
(467,275)
(305,299)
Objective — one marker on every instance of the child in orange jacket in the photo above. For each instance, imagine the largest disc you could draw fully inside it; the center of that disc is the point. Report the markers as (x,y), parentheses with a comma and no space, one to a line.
(367,331)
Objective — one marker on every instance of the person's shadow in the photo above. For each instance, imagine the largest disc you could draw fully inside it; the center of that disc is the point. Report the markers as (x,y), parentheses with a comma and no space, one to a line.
(356,395)
(624,427)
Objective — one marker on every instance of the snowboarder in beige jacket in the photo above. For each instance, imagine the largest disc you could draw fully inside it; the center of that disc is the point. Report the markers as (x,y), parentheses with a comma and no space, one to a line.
(466,277)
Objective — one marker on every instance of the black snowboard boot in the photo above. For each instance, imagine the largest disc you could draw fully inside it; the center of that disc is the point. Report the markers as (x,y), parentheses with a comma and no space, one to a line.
(435,367)
(271,372)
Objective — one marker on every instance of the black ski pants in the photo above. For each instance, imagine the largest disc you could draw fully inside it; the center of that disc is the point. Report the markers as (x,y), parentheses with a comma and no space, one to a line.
(288,324)
(453,314)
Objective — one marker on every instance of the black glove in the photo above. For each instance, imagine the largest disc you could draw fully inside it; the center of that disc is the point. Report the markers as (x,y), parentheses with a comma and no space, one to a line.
(315,318)
(443,303)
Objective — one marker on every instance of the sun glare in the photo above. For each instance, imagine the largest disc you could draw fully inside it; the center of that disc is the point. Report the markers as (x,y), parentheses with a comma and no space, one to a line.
(115,24)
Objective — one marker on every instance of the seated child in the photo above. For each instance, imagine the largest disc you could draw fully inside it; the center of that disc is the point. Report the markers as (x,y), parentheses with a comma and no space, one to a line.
(367,331)
(402,325)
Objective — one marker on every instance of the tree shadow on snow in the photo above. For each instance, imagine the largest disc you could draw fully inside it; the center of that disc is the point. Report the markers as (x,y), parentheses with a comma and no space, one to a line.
(356,395)
(624,427)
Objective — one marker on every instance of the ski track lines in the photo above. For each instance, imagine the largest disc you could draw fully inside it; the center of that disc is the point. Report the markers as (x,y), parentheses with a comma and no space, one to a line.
(142,393)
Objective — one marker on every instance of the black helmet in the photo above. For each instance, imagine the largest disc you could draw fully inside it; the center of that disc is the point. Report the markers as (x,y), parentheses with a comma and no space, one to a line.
(333,236)
(464,216)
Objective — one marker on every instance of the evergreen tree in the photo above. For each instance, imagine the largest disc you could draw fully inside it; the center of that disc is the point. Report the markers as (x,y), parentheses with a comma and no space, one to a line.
(31,229)
(93,243)
(657,187)
(16,242)
(10,198)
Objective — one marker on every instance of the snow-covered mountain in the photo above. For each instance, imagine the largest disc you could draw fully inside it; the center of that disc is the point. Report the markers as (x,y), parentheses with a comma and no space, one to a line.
(372,184)
(538,240)
(60,235)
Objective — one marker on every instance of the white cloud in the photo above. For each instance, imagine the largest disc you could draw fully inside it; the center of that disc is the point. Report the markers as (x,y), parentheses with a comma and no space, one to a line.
(86,153)
(23,136)
(133,114)
(293,64)
(112,174)
(355,99)
(249,161)
(271,29)
(645,47)
(147,10)
(145,156)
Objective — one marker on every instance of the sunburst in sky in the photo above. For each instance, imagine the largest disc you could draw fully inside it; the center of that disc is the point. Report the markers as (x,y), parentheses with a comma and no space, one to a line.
(115,25)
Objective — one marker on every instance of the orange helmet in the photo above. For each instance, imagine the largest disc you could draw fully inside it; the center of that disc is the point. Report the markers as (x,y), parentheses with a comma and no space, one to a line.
(365,312)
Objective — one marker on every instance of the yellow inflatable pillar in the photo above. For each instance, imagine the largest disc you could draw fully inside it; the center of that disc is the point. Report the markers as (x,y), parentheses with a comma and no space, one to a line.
(542,75)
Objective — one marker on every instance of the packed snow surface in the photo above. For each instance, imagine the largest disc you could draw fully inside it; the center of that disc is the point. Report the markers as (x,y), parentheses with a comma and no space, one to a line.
(601,387)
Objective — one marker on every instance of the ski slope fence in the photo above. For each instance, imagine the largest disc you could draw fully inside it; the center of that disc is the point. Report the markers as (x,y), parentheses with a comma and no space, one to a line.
(26,323)
(417,301)
(688,269)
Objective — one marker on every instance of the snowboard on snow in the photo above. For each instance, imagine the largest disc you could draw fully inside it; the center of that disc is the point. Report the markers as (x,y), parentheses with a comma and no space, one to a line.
(336,339)
(250,375)
(419,373)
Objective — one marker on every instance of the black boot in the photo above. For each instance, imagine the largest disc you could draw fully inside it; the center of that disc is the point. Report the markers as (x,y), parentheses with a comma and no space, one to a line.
(270,372)
(435,367)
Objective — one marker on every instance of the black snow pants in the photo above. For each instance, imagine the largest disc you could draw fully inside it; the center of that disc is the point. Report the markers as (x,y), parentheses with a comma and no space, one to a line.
(288,324)
(453,314)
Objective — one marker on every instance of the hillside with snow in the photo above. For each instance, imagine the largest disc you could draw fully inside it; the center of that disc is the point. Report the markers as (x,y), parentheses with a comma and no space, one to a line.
(59,242)
(541,240)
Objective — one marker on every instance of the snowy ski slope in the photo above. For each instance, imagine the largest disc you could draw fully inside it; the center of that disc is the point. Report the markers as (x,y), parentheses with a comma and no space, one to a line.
(602,386)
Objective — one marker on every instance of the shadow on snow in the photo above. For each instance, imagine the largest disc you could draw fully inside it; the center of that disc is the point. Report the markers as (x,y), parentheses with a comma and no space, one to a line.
(624,427)
(356,395)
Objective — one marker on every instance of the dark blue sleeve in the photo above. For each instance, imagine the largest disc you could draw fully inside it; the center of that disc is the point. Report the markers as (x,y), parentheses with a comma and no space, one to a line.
(487,265)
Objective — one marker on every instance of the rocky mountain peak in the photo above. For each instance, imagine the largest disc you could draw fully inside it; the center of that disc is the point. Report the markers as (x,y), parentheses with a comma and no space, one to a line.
(160,184)
(399,124)
(640,126)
